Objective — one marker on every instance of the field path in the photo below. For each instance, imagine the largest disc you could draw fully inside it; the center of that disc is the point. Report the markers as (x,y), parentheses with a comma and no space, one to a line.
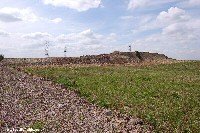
(27,101)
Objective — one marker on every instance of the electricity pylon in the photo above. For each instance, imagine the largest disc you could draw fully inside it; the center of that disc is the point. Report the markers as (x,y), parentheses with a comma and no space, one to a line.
(65,51)
(129,48)
(47,48)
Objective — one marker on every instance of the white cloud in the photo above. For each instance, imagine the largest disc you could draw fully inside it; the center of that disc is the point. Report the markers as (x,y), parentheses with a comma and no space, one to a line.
(8,18)
(79,5)
(165,18)
(194,2)
(137,3)
(87,33)
(176,41)
(87,42)
(87,37)
(189,3)
(8,14)
(19,45)
(179,24)
(112,37)
(133,4)
(126,17)
(174,14)
(4,34)
(56,20)
(37,36)
(179,36)
(177,29)
(33,44)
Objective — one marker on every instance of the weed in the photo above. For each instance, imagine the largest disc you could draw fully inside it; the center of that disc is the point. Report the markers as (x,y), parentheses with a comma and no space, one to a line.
(38,125)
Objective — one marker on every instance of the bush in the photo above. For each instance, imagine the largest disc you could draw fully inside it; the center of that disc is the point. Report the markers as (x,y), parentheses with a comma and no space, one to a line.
(138,55)
(1,57)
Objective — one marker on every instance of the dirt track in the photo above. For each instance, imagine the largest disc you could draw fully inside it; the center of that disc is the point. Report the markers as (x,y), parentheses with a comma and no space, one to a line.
(28,101)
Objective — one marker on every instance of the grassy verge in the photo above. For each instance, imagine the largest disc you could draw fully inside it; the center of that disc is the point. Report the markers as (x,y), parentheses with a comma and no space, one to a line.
(166,96)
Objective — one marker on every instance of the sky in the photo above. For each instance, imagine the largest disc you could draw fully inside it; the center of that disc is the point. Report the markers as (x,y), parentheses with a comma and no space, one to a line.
(87,27)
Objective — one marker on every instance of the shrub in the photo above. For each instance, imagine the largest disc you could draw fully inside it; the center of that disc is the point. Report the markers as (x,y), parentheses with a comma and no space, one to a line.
(1,57)
(138,55)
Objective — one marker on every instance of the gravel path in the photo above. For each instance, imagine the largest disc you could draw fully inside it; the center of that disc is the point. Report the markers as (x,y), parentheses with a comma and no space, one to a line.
(27,101)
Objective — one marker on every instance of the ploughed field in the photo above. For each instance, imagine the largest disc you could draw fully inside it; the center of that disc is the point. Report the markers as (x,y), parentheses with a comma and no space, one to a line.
(166,96)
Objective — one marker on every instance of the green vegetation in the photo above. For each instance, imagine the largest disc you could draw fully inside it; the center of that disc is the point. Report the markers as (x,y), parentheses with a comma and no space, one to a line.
(165,96)
(1,57)
(38,125)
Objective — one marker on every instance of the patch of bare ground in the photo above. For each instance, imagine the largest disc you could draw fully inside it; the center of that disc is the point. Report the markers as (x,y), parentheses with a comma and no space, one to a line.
(27,101)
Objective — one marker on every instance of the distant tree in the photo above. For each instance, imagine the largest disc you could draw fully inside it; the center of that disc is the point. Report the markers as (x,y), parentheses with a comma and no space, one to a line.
(1,57)
(138,55)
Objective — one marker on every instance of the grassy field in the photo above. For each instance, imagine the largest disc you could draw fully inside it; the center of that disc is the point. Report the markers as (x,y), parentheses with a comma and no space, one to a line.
(165,96)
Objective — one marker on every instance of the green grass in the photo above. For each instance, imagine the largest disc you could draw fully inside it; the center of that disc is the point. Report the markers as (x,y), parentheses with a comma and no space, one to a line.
(165,96)
(38,125)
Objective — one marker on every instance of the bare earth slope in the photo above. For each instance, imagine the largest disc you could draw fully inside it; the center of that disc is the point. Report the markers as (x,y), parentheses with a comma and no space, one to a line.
(31,101)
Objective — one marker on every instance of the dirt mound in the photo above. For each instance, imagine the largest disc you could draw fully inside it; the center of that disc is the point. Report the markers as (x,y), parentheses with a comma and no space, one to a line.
(112,58)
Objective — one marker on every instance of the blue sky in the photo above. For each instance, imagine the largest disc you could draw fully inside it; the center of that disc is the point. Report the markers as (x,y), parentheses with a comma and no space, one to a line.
(170,27)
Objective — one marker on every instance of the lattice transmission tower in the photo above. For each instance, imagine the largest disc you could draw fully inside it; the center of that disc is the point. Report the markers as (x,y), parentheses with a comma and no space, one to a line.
(129,48)
(65,51)
(47,49)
